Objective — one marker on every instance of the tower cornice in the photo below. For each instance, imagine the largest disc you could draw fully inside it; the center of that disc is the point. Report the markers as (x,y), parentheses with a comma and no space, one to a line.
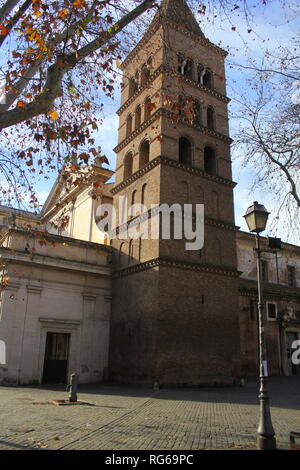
(161,160)
(160,112)
(176,263)
(162,69)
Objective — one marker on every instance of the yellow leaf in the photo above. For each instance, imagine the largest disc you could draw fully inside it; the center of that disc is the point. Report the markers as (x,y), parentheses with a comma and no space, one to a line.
(37,13)
(53,115)
(79,4)
(63,13)
(118,63)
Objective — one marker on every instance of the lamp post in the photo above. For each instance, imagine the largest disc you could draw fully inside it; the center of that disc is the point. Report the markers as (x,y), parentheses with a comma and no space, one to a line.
(256,217)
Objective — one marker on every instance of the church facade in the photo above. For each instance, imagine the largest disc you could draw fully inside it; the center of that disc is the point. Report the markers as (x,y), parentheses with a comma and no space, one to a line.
(147,310)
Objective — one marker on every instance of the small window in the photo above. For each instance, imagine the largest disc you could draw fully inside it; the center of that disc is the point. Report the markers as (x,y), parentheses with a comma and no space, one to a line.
(207,79)
(144,153)
(128,125)
(210,118)
(185,151)
(132,87)
(138,117)
(148,108)
(291,275)
(143,194)
(128,164)
(209,160)
(130,252)
(271,311)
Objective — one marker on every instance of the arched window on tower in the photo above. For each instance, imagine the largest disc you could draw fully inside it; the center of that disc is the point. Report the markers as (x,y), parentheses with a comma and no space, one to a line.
(138,117)
(207,79)
(133,197)
(209,160)
(132,87)
(185,151)
(128,164)
(185,66)
(128,125)
(147,108)
(130,252)
(145,75)
(200,73)
(144,153)
(143,196)
(210,115)
(137,78)
(197,113)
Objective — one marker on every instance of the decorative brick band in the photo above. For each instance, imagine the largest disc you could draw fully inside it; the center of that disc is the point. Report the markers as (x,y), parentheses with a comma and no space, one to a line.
(167,262)
(138,131)
(269,293)
(160,160)
(163,111)
(165,70)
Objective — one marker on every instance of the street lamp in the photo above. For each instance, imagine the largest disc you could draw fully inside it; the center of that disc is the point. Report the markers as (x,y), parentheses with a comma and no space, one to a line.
(256,217)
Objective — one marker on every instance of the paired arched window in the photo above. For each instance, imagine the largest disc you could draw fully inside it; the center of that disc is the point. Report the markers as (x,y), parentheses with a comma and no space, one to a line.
(138,117)
(209,160)
(144,153)
(128,165)
(128,125)
(185,66)
(185,151)
(210,115)
(200,74)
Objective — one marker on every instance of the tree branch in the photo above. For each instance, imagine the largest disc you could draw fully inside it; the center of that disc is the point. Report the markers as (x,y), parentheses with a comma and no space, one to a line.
(52,88)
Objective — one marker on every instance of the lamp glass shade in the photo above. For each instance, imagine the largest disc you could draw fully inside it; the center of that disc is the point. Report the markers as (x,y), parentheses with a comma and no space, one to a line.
(256,217)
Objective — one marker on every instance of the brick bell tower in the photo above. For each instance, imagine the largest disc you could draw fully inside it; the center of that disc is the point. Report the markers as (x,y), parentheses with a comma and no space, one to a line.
(175,312)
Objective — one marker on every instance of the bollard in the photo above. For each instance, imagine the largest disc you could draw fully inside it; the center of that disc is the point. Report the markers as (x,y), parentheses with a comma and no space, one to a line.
(73,388)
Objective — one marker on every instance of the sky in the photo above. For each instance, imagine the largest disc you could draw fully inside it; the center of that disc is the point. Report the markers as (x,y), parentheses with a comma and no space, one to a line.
(270,25)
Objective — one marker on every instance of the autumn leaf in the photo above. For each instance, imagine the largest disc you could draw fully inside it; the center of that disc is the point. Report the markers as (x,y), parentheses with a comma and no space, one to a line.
(79,4)
(3,30)
(37,13)
(53,115)
(21,104)
(118,63)
(63,13)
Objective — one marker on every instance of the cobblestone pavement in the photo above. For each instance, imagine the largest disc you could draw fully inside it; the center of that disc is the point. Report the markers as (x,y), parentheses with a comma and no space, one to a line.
(124,418)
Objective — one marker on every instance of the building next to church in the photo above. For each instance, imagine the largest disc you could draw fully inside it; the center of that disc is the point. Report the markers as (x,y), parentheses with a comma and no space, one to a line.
(147,310)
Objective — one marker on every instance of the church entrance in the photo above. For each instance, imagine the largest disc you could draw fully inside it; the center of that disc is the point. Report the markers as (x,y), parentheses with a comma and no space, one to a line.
(56,358)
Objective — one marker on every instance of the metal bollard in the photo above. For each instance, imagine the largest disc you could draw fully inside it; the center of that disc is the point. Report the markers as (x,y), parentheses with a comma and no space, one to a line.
(73,388)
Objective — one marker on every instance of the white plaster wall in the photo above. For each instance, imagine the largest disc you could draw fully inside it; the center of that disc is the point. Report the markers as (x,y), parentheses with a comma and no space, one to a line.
(31,308)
